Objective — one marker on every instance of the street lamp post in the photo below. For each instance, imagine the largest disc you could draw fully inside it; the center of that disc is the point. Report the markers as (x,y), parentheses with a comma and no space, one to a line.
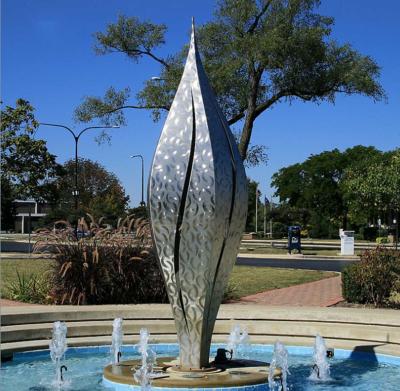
(142,203)
(76,137)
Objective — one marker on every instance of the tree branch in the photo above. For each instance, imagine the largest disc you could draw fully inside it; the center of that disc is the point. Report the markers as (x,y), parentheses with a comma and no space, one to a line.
(259,16)
(160,60)
(305,95)
(264,106)
(166,108)
(237,117)
(139,52)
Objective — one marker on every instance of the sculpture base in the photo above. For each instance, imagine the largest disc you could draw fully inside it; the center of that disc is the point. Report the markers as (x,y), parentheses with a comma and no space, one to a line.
(168,376)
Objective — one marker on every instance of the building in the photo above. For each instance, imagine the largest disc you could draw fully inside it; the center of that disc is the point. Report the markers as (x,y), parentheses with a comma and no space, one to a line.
(27,214)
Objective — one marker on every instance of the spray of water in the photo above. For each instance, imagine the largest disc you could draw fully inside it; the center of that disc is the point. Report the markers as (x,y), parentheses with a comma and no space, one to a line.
(279,360)
(238,342)
(117,336)
(144,373)
(58,346)
(320,370)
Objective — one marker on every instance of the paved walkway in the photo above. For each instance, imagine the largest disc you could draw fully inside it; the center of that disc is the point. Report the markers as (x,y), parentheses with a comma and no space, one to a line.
(322,293)
(12,303)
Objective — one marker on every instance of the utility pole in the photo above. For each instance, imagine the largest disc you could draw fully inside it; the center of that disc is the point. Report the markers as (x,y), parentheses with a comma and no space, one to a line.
(75,191)
(265,215)
(256,208)
(270,220)
(142,203)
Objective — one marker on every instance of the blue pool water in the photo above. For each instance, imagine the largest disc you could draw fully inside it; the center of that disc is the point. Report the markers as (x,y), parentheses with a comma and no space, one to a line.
(351,371)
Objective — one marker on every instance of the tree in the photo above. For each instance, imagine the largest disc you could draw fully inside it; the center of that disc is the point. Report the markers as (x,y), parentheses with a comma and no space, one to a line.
(252,187)
(100,193)
(257,53)
(377,187)
(28,169)
(318,185)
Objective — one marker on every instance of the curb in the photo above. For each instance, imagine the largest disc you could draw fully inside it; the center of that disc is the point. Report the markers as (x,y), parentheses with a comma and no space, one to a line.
(300,257)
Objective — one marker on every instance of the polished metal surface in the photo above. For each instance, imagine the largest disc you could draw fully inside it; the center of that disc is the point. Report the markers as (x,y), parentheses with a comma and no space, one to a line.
(198,204)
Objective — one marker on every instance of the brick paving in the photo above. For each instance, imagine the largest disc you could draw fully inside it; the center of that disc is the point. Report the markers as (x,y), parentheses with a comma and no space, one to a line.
(13,303)
(322,293)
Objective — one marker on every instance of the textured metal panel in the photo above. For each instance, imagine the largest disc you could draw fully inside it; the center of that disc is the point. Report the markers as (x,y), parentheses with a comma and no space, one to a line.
(198,204)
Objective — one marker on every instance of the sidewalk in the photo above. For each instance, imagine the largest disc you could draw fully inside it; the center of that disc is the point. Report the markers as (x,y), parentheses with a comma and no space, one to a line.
(322,293)
(15,255)
(299,256)
(12,303)
(20,255)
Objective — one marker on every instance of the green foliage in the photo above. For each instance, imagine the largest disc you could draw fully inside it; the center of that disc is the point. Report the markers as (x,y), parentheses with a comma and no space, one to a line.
(352,289)
(140,212)
(374,279)
(369,233)
(7,204)
(256,54)
(108,266)
(382,240)
(230,293)
(27,166)
(318,185)
(377,186)
(100,193)
(32,288)
(130,36)
(279,230)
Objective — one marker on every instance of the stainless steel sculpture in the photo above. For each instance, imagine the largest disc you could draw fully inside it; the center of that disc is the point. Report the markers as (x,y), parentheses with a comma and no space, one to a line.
(198,205)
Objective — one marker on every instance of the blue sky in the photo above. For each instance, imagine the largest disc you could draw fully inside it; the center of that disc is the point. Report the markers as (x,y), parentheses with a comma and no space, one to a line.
(48,58)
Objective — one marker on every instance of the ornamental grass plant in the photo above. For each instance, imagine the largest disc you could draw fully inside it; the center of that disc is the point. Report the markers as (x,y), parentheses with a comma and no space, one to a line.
(103,265)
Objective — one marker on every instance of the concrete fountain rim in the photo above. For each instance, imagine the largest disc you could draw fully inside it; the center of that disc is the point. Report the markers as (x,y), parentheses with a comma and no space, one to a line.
(166,348)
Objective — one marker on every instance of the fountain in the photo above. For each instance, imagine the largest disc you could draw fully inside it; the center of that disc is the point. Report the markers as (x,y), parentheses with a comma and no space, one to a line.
(58,346)
(321,369)
(116,344)
(197,197)
(279,360)
(238,341)
(144,373)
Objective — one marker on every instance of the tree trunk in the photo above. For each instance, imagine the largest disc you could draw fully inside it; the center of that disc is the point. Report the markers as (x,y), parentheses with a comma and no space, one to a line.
(344,220)
(250,113)
(246,135)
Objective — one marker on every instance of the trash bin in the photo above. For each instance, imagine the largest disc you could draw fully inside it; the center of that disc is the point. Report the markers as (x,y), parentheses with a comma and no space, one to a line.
(294,238)
(346,242)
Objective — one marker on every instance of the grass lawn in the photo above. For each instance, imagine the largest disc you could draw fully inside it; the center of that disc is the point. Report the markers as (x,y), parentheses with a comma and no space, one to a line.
(244,280)
(10,268)
(247,280)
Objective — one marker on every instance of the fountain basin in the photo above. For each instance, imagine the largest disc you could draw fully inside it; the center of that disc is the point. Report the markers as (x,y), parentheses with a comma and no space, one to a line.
(350,370)
(170,376)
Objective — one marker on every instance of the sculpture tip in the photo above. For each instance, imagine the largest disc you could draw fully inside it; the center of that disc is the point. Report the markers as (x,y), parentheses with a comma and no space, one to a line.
(193,34)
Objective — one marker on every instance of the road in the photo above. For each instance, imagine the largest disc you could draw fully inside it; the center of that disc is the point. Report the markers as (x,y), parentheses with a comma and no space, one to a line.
(270,261)
(310,264)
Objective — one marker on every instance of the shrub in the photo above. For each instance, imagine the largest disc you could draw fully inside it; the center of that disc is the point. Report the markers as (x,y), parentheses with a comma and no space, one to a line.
(358,236)
(382,240)
(369,233)
(30,288)
(230,293)
(279,230)
(105,266)
(352,289)
(374,279)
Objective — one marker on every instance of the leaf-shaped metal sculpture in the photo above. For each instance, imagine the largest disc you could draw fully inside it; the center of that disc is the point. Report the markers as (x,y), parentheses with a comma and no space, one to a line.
(198,205)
